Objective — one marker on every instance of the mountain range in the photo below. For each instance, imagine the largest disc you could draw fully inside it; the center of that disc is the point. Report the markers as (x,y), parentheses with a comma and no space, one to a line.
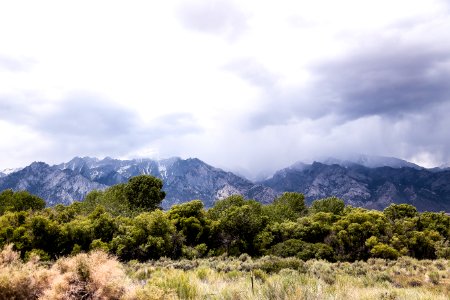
(366,181)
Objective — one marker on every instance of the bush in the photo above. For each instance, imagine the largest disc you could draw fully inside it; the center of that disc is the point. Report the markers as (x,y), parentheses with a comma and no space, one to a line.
(174,281)
(273,264)
(19,280)
(87,276)
(433,277)
(381,250)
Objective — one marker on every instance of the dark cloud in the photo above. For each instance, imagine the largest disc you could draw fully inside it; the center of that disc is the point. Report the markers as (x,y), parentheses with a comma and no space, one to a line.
(386,96)
(389,80)
(218,17)
(277,105)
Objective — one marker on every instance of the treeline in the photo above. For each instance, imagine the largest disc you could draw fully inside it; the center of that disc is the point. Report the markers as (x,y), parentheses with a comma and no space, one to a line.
(126,220)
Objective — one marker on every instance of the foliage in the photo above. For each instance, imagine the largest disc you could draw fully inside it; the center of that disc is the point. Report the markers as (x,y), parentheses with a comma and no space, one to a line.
(144,191)
(19,201)
(400,211)
(124,220)
(332,204)
(289,206)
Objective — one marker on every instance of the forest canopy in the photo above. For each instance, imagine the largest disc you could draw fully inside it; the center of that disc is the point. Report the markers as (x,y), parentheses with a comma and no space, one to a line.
(126,220)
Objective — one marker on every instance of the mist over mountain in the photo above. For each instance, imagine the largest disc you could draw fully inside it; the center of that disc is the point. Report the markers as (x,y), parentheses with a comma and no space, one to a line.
(366,181)
(369,161)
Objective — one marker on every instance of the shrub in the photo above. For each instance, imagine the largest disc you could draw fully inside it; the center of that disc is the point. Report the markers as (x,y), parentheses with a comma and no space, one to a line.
(18,280)
(381,250)
(175,281)
(87,276)
(273,264)
(37,254)
(433,277)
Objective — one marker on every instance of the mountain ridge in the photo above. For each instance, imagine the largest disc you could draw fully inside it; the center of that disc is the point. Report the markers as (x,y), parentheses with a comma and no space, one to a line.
(184,180)
(358,185)
(189,179)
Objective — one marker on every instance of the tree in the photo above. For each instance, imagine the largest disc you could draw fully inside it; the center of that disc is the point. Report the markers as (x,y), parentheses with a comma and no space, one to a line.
(289,206)
(19,201)
(190,220)
(400,211)
(144,192)
(381,250)
(332,204)
(221,206)
(239,221)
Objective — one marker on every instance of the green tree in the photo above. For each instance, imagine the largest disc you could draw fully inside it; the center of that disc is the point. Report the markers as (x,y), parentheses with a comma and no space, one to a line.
(190,220)
(238,223)
(150,235)
(381,250)
(353,234)
(45,235)
(221,206)
(19,201)
(400,211)
(288,206)
(144,192)
(332,204)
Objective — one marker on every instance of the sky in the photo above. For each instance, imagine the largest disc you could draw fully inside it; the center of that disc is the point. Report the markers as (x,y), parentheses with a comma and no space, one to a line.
(249,86)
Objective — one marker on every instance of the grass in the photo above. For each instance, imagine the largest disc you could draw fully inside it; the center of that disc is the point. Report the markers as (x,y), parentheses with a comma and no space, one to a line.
(96,275)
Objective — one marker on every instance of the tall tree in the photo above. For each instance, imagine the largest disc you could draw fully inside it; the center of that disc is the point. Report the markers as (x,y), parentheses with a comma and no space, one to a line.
(144,192)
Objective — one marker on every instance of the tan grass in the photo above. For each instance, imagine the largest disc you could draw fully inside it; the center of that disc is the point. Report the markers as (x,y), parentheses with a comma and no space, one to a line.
(98,276)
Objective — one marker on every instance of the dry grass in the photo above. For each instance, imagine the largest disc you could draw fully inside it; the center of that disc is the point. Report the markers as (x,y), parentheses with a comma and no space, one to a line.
(275,278)
(98,276)
(87,276)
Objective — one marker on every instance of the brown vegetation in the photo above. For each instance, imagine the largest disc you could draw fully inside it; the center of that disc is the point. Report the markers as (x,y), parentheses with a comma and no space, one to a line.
(96,275)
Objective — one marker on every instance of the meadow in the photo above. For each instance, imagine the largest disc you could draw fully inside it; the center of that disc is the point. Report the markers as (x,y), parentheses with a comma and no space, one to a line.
(97,275)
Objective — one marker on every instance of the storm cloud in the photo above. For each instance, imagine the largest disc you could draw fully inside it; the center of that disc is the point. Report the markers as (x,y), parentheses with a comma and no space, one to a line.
(250,86)
(393,83)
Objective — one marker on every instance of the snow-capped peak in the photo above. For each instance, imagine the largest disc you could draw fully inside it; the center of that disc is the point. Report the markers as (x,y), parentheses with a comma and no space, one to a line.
(8,171)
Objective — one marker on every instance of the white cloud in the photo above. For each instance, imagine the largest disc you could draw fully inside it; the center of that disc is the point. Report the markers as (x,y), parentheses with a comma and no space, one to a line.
(248,84)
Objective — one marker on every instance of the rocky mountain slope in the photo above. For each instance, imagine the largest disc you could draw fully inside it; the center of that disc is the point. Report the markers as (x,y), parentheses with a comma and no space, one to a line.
(184,180)
(367,187)
(391,181)
(50,183)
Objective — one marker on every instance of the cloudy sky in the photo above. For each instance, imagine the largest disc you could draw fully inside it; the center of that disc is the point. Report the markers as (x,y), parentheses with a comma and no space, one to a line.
(244,85)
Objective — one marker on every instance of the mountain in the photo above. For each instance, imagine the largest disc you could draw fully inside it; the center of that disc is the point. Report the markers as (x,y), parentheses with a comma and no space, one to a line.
(367,187)
(187,179)
(50,183)
(8,171)
(184,180)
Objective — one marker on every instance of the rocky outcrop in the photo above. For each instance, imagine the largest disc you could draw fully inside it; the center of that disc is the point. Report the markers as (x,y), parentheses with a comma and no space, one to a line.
(184,180)
(189,179)
(367,187)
